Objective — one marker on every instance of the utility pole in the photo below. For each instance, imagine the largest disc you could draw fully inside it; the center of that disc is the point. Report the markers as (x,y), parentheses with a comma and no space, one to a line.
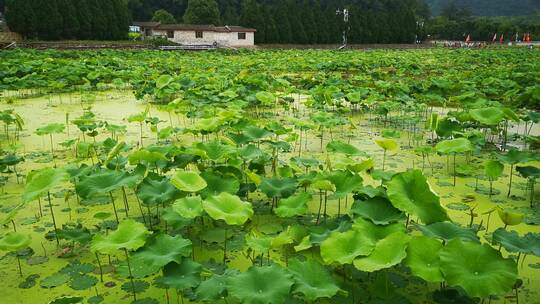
(345,13)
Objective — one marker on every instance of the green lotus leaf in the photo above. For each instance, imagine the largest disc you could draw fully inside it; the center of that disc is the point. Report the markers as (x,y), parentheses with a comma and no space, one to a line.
(82,281)
(157,192)
(387,144)
(278,187)
(266,98)
(163,80)
(378,209)
(261,285)
(410,192)
(13,241)
(215,150)
(219,183)
(511,241)
(180,276)
(388,252)
(458,145)
(259,243)
(533,242)
(67,300)
(493,169)
(312,280)
(229,208)
(510,218)
(479,269)
(344,247)
(145,156)
(423,258)
(51,129)
(448,231)
(294,205)
(41,181)
(105,181)
(189,207)
(254,133)
(345,182)
(515,156)
(130,235)
(323,185)
(341,147)
(488,116)
(528,171)
(188,181)
(160,251)
(215,287)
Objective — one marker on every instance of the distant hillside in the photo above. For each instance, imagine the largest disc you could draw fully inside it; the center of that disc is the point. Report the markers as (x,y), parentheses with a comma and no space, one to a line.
(490,7)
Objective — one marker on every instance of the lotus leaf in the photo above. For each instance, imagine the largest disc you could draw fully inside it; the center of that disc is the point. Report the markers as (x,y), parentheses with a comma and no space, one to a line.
(189,207)
(423,258)
(387,252)
(39,182)
(410,192)
(312,280)
(448,231)
(479,269)
(294,205)
(229,208)
(261,285)
(488,116)
(160,251)
(14,241)
(458,145)
(130,235)
(188,181)
(180,276)
(278,187)
(105,181)
(341,147)
(378,209)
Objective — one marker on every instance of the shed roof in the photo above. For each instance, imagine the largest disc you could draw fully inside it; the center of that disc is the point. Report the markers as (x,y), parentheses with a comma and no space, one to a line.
(146,24)
(195,27)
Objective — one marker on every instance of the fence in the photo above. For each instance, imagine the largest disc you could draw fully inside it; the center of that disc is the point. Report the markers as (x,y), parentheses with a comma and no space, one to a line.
(6,37)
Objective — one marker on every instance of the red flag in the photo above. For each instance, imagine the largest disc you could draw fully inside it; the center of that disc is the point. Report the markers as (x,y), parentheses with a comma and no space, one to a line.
(468,38)
(494,38)
(502,38)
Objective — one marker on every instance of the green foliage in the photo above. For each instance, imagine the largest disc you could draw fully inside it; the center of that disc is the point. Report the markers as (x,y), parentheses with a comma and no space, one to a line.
(202,12)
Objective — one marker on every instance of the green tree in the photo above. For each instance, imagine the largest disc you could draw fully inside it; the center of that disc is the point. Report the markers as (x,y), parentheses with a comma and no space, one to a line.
(49,25)
(202,12)
(70,24)
(84,18)
(282,22)
(122,19)
(163,16)
(251,16)
(20,17)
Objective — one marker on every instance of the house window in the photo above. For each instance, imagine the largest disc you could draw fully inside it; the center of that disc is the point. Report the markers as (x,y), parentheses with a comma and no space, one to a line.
(170,34)
(241,36)
(198,34)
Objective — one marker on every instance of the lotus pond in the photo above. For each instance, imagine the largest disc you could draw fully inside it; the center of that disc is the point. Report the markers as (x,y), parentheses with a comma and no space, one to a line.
(270,176)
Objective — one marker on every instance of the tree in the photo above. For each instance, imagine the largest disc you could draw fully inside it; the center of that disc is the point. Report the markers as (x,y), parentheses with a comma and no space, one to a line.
(453,12)
(84,18)
(122,19)
(202,12)
(282,22)
(49,21)
(163,16)
(251,17)
(70,25)
(20,17)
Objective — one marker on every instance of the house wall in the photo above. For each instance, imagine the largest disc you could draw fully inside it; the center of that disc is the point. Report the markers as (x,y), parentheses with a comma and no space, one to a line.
(229,39)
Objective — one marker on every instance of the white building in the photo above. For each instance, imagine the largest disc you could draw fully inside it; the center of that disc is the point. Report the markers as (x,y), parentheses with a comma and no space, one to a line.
(194,34)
